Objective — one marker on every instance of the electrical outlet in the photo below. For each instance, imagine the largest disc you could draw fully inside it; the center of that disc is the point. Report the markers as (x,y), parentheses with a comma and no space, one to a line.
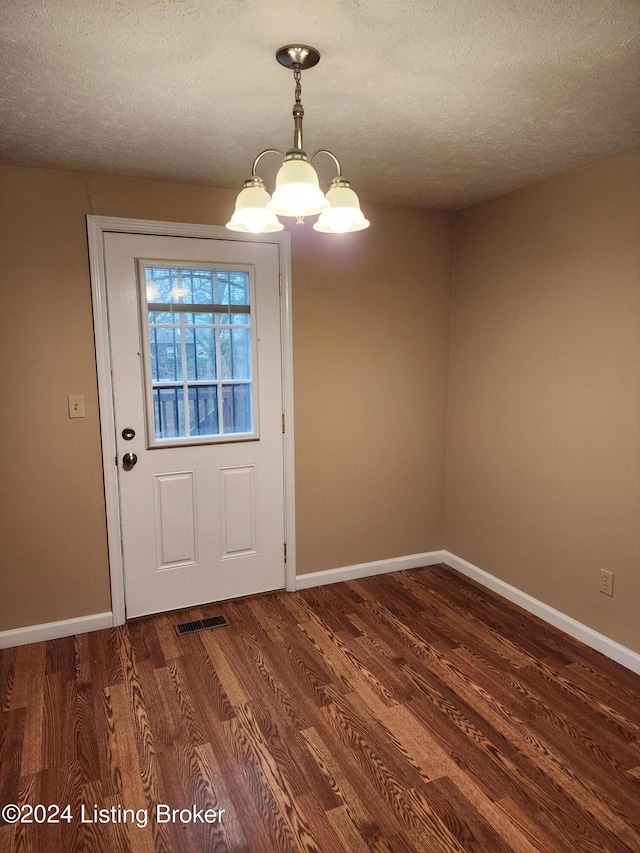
(606,582)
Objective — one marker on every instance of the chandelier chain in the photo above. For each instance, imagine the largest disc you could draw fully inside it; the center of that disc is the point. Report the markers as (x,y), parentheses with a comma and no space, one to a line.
(297,75)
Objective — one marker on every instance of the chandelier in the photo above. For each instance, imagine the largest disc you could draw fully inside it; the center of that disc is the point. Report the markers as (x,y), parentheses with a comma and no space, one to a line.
(297,191)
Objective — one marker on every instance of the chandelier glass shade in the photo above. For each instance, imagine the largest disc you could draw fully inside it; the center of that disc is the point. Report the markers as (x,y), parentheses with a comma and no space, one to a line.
(297,192)
(252,214)
(343,213)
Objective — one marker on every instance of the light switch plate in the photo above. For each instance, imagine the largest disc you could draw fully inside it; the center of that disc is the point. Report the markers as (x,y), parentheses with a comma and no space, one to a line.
(76,405)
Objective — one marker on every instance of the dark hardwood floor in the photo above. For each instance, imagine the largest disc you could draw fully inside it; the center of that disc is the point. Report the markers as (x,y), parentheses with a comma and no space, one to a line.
(408,712)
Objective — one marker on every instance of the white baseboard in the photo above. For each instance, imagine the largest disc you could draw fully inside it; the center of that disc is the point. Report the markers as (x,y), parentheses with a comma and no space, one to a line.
(54,630)
(575,629)
(366,570)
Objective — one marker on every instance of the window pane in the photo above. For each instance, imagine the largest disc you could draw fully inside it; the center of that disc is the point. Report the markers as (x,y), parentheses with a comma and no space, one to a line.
(166,355)
(236,403)
(159,282)
(239,288)
(168,411)
(201,353)
(203,410)
(164,317)
(234,353)
(200,285)
(190,346)
(200,318)
(235,319)
(232,288)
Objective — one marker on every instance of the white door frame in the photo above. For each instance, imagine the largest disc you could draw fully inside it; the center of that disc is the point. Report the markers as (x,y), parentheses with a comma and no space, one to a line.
(97,226)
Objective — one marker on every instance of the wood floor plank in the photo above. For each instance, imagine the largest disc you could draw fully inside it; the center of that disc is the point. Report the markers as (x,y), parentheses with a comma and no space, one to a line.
(287,823)
(232,687)
(82,656)
(277,688)
(126,764)
(32,749)
(25,665)
(214,793)
(12,728)
(364,806)
(406,713)
(106,668)
(7,837)
(191,713)
(30,790)
(527,822)
(349,837)
(428,830)
(321,827)
(7,676)
(602,686)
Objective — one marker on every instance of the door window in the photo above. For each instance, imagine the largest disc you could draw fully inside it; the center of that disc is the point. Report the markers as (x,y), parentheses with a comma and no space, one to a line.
(198,353)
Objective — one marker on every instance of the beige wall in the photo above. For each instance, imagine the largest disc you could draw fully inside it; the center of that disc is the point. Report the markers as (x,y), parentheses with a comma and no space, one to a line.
(371,328)
(52,522)
(543,458)
(371,340)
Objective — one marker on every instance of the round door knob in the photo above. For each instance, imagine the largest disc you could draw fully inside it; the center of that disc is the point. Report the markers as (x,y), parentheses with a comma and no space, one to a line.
(129,460)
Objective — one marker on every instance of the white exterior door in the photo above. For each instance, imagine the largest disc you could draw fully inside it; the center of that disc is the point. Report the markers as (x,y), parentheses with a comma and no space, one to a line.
(194,329)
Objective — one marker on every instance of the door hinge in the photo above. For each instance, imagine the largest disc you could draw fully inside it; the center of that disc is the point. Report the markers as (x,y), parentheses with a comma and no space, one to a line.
(280,283)
(285,552)
(116,461)
(283,426)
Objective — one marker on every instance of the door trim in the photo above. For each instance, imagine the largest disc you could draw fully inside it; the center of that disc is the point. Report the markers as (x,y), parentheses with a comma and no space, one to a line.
(97,226)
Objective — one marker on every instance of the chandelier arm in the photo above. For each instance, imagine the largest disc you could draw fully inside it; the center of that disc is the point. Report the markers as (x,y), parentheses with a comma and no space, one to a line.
(261,155)
(333,157)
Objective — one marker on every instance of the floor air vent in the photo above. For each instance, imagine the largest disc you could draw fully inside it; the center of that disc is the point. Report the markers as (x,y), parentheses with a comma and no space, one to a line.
(201,625)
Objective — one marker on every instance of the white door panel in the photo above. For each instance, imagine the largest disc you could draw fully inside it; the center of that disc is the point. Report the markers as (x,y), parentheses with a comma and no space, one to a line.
(202,514)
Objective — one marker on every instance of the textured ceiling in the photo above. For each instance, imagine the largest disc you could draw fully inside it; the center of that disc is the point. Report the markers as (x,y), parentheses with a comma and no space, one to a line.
(438,103)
